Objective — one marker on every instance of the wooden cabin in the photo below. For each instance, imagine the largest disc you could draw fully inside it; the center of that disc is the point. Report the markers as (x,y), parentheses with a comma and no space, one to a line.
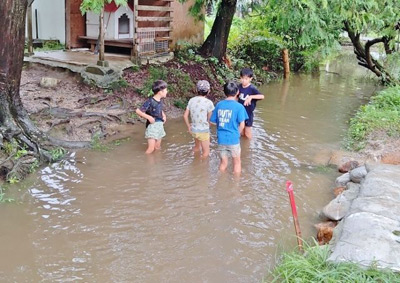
(146,27)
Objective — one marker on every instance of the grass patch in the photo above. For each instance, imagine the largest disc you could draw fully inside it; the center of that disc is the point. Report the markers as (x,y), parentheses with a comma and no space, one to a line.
(313,267)
(179,83)
(155,73)
(381,114)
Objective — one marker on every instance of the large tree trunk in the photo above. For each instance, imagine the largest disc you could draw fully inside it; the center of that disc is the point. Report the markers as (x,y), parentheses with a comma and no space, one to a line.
(364,57)
(16,128)
(216,43)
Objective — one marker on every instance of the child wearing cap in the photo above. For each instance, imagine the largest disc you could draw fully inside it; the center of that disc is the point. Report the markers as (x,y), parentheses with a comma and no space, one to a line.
(200,109)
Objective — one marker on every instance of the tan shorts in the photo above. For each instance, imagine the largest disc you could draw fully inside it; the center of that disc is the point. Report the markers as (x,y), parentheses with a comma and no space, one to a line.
(229,150)
(201,136)
(155,131)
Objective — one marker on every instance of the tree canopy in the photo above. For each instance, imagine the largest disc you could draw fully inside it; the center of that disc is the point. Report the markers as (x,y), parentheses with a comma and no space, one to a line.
(97,5)
(305,22)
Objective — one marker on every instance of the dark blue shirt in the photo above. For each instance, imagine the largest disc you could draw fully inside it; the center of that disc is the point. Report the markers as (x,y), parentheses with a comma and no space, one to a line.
(153,108)
(245,92)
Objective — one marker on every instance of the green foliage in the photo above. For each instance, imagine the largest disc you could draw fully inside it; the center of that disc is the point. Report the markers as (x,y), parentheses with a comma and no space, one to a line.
(179,83)
(155,73)
(391,63)
(3,198)
(13,179)
(381,114)
(180,103)
(51,45)
(97,5)
(312,266)
(34,166)
(57,153)
(251,42)
(10,147)
(96,143)
(135,68)
(315,26)
(20,152)
(117,85)
(196,9)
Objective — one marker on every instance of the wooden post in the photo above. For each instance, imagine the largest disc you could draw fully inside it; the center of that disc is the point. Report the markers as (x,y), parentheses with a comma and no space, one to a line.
(30,37)
(286,67)
(135,51)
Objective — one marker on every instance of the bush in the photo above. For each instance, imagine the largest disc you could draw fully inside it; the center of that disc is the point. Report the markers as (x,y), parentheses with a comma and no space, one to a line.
(312,266)
(381,114)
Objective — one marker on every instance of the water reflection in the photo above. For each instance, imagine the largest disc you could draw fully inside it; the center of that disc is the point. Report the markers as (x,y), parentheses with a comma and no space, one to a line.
(171,216)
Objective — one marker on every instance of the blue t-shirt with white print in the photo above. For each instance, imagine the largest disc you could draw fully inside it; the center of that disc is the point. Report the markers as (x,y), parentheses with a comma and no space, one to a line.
(227,115)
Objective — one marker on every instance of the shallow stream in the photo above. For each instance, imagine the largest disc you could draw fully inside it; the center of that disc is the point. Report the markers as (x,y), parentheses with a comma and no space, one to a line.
(122,216)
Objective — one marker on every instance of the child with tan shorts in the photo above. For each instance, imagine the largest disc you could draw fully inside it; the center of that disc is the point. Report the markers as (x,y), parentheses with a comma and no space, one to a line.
(152,111)
(200,108)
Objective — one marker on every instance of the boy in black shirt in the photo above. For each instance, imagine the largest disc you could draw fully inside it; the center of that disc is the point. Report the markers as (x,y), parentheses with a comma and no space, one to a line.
(248,96)
(152,111)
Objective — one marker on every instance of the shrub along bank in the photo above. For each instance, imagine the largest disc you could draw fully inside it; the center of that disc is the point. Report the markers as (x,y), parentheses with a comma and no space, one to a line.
(312,266)
(380,117)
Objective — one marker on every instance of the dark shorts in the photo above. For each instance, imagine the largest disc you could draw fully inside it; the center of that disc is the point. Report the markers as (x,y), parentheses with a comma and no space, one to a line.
(249,122)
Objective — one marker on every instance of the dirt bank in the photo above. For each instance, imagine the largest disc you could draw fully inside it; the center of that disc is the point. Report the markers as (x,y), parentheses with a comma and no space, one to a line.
(74,111)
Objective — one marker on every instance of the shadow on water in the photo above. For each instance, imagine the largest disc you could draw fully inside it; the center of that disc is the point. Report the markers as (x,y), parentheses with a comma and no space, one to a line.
(124,216)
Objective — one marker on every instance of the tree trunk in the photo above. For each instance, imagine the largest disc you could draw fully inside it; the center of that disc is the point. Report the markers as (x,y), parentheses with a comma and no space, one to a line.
(216,43)
(101,35)
(16,127)
(364,57)
(30,37)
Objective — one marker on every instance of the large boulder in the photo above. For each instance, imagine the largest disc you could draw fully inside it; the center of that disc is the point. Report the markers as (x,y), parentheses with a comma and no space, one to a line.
(369,234)
(348,166)
(48,82)
(342,180)
(357,174)
(368,239)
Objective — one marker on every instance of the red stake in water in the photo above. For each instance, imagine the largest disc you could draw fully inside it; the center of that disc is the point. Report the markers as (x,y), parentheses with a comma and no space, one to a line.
(289,189)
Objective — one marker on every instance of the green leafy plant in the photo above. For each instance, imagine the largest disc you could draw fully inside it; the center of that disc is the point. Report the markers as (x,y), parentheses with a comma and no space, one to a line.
(34,166)
(155,73)
(20,153)
(312,266)
(117,85)
(13,179)
(3,198)
(96,143)
(180,103)
(57,153)
(381,114)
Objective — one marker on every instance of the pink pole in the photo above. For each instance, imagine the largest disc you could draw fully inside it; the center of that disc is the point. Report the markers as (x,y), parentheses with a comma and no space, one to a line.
(289,189)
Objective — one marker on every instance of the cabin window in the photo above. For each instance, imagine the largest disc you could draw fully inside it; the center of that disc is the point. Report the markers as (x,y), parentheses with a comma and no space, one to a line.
(123,24)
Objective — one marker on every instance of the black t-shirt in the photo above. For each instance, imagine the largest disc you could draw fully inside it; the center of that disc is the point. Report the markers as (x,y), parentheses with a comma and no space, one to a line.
(153,108)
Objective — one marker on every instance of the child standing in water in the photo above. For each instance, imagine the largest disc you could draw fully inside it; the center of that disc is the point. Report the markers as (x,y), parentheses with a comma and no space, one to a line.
(248,97)
(200,109)
(152,111)
(229,116)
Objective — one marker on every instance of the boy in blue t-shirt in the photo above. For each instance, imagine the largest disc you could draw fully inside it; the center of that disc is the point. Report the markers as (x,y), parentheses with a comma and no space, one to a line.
(248,96)
(229,116)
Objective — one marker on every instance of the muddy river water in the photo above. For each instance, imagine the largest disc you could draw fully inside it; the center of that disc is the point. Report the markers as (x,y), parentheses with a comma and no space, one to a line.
(122,216)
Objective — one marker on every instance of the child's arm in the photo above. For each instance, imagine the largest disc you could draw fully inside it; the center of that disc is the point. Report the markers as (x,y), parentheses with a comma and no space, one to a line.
(186,118)
(145,116)
(209,116)
(241,126)
(255,96)
(164,117)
